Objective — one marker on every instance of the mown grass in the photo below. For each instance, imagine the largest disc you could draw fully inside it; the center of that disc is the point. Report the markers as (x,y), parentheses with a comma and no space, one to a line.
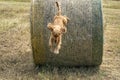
(113,4)
(14,14)
(17,0)
(112,18)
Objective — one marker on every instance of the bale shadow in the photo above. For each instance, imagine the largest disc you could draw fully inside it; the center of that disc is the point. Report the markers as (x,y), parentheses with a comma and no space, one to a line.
(66,73)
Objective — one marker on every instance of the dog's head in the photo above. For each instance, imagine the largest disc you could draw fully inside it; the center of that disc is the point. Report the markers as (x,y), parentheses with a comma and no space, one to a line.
(56,29)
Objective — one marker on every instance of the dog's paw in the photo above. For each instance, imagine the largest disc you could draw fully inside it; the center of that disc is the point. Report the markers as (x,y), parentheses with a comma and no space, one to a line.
(56,51)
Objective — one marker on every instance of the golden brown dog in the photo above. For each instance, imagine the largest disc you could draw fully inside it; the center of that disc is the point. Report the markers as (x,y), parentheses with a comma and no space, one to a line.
(57,29)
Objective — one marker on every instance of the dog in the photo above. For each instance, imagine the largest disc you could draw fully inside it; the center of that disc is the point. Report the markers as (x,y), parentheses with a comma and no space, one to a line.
(57,28)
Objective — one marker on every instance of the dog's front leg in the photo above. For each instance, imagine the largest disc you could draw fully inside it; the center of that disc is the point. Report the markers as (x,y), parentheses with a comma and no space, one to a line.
(59,42)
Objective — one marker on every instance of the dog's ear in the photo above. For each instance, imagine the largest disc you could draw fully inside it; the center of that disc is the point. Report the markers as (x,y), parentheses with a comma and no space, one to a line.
(64,30)
(68,19)
(50,26)
(65,20)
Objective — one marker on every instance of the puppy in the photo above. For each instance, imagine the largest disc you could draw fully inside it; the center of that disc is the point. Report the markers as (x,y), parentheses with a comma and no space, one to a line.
(57,29)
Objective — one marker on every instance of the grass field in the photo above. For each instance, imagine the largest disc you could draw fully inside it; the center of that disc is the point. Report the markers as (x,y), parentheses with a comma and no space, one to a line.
(17,0)
(15,46)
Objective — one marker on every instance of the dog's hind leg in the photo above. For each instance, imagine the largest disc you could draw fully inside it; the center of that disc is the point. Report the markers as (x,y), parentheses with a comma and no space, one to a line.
(51,43)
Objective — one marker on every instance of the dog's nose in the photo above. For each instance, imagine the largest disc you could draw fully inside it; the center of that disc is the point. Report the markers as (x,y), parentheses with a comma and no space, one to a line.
(56,35)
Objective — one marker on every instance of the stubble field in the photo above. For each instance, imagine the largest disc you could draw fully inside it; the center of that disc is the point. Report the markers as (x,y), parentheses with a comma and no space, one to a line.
(16,62)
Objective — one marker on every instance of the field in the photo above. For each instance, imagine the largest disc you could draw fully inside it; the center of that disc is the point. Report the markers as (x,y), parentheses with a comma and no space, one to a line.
(17,0)
(16,62)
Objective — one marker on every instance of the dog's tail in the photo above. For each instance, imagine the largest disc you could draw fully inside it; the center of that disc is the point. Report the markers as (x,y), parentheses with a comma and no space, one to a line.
(59,8)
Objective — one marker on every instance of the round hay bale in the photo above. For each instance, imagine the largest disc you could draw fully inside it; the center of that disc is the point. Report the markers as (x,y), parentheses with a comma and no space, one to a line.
(83,42)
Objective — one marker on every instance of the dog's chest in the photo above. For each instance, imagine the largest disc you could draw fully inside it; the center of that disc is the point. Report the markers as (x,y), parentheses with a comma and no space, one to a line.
(58,22)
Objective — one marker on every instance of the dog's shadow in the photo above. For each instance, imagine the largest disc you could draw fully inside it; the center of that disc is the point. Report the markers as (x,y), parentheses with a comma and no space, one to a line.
(66,73)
